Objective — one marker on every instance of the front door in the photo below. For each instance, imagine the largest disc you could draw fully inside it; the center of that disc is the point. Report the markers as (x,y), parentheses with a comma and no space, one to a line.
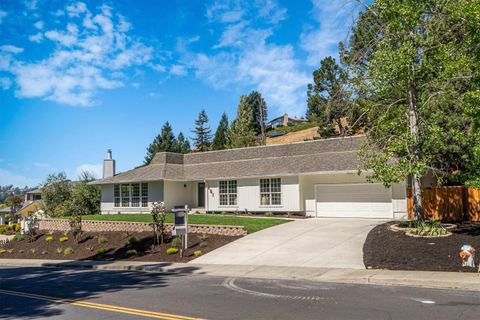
(201,195)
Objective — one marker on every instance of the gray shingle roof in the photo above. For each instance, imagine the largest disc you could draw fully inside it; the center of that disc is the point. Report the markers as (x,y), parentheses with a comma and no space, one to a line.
(338,154)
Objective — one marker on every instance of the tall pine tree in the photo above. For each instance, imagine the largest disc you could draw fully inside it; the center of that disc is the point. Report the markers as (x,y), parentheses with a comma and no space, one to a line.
(183,145)
(259,109)
(220,140)
(165,141)
(202,133)
(329,100)
(242,133)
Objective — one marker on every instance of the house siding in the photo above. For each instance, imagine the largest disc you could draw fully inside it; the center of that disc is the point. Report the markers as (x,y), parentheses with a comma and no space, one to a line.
(180,193)
(248,196)
(155,194)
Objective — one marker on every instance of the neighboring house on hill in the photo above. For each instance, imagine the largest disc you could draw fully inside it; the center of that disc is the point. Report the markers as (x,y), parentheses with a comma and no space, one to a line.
(318,178)
(284,120)
(33,195)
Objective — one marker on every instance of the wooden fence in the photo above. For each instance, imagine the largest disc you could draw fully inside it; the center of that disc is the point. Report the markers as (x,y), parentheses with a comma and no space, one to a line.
(449,204)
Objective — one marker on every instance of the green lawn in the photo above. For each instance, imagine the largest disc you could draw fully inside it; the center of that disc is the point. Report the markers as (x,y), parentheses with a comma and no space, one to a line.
(250,224)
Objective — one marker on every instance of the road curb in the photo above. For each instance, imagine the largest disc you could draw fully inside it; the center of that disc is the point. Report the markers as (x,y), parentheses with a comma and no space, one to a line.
(423,279)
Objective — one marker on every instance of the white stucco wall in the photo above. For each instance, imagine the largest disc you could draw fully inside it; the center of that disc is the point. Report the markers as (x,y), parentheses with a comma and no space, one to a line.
(308,182)
(180,193)
(155,194)
(248,193)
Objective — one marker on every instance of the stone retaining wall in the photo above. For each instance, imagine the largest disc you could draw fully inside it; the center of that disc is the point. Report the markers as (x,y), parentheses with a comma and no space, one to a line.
(104,226)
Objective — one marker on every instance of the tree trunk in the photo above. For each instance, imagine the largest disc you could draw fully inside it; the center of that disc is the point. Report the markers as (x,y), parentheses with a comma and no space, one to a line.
(261,122)
(414,131)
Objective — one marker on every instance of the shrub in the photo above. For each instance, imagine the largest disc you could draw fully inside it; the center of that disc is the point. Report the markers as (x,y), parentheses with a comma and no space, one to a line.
(44,252)
(132,252)
(159,216)
(18,227)
(49,238)
(68,251)
(2,251)
(131,240)
(21,251)
(59,250)
(32,222)
(101,251)
(3,229)
(203,244)
(204,237)
(223,213)
(430,228)
(197,253)
(102,239)
(63,239)
(176,243)
(172,250)
(76,227)
(33,250)
(269,214)
(19,237)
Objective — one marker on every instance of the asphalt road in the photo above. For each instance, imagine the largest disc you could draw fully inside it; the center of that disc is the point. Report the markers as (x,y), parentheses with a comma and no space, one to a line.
(49,293)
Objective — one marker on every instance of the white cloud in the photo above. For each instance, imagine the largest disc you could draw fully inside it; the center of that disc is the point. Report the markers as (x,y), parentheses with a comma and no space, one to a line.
(7,177)
(92,52)
(178,70)
(246,56)
(5,83)
(75,9)
(37,37)
(225,11)
(96,169)
(334,20)
(39,25)
(31,4)
(3,14)
(11,49)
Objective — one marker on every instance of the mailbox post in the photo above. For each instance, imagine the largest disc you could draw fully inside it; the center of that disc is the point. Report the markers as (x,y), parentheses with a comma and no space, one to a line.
(180,227)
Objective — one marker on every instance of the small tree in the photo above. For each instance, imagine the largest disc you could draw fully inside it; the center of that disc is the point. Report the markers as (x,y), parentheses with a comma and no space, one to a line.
(158,217)
(259,110)
(85,198)
(165,141)
(75,221)
(57,193)
(32,224)
(220,140)
(202,133)
(15,203)
(183,145)
(241,133)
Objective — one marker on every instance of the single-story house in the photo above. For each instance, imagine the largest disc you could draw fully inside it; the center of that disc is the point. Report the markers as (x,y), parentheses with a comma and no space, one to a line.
(284,120)
(318,178)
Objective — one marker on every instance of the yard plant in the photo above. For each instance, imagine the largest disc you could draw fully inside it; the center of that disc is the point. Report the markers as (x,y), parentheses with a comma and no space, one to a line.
(158,215)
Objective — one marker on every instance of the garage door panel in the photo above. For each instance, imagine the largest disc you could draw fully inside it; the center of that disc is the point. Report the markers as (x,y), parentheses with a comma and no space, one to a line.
(354,200)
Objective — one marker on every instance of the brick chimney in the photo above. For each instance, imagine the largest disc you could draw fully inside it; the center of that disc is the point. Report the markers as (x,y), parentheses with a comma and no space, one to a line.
(108,165)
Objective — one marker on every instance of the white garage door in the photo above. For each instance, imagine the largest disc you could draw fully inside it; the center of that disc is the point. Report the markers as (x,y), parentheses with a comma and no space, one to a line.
(360,200)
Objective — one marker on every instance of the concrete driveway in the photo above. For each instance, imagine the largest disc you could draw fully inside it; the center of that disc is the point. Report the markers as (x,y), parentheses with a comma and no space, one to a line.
(320,243)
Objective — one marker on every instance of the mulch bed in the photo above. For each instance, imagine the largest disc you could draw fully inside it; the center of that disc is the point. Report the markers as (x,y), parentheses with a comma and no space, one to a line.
(386,249)
(116,247)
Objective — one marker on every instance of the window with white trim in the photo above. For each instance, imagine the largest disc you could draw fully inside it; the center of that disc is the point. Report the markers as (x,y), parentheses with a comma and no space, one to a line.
(130,195)
(228,192)
(271,192)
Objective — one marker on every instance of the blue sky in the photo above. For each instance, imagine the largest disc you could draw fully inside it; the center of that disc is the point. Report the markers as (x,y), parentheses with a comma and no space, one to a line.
(77,78)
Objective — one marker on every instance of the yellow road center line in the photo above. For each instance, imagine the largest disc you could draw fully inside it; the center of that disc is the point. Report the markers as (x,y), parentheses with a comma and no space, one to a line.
(106,307)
